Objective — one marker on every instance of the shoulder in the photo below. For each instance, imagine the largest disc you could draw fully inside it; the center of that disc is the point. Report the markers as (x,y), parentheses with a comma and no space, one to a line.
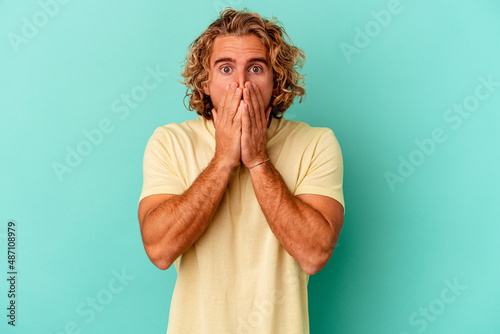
(297,130)
(186,126)
(179,130)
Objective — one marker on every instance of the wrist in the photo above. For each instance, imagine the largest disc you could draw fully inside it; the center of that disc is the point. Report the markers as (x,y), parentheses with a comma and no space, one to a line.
(222,164)
(258,162)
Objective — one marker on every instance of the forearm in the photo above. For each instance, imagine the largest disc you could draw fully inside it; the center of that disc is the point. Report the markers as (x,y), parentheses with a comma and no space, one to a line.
(304,233)
(172,227)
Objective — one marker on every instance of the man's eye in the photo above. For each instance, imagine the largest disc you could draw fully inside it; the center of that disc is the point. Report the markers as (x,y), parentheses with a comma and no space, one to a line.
(226,69)
(255,69)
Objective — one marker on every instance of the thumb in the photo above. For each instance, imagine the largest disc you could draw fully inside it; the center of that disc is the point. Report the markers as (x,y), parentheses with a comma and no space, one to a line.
(214,114)
(245,121)
(268,113)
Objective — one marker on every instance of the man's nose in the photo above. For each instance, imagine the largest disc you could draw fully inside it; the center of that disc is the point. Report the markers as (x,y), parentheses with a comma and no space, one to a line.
(242,79)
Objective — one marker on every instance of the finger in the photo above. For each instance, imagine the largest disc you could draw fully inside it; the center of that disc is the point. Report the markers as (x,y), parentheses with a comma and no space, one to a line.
(229,99)
(234,102)
(259,97)
(249,105)
(259,109)
(222,103)
(245,119)
(230,93)
(237,116)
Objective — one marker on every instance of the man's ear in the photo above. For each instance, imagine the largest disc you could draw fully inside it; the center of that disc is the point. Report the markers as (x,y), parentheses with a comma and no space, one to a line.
(206,90)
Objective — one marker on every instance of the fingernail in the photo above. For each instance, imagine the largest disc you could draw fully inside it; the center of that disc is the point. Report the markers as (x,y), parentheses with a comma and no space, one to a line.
(255,86)
(227,87)
(247,92)
(234,85)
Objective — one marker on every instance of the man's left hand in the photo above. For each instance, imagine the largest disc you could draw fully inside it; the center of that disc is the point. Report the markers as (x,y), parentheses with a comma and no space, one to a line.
(254,121)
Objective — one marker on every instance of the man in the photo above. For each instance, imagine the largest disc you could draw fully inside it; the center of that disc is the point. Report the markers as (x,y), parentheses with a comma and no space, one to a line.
(246,203)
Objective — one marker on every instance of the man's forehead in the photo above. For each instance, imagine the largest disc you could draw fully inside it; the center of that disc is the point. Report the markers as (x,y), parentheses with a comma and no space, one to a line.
(245,48)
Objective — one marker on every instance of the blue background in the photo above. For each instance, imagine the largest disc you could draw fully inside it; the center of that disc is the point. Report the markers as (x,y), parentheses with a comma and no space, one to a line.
(419,219)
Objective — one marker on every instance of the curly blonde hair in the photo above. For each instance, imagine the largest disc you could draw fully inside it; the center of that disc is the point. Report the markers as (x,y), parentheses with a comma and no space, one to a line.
(285,58)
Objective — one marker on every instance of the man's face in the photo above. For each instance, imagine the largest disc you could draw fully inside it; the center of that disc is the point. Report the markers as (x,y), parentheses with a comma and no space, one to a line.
(239,59)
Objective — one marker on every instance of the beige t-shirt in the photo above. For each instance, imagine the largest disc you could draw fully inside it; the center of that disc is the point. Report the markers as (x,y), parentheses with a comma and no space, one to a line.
(237,277)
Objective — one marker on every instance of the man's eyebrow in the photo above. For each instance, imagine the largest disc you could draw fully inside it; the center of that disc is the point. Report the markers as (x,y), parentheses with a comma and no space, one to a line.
(223,60)
(261,60)
(231,60)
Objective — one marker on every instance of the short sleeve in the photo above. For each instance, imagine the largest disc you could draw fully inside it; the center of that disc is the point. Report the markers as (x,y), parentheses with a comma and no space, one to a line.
(324,176)
(159,173)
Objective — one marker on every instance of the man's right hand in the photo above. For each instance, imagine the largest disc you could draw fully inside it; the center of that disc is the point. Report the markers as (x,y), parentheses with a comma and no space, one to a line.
(227,123)
(171,224)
